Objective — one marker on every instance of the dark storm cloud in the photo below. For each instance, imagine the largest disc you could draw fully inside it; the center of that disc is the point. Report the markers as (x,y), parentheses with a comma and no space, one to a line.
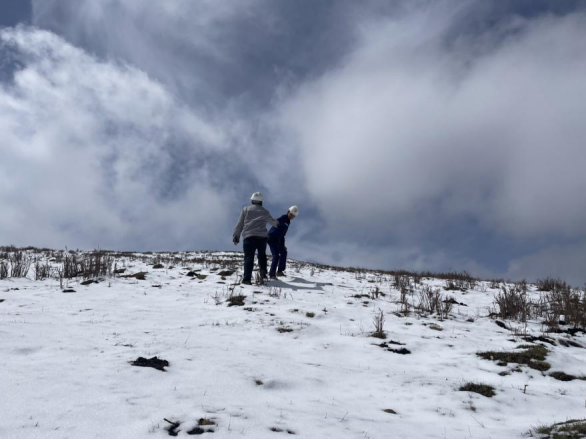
(211,50)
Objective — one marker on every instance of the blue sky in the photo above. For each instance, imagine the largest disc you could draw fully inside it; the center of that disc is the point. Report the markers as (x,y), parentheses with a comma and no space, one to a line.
(15,11)
(444,135)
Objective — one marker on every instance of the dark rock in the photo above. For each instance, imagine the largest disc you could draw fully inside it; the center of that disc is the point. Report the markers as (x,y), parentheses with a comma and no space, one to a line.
(88,282)
(154,362)
(540,339)
(68,291)
(173,430)
(138,276)
(399,351)
(560,375)
(453,301)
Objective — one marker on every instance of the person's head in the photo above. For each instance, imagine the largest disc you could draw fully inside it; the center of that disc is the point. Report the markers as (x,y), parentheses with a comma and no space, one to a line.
(256,198)
(293,212)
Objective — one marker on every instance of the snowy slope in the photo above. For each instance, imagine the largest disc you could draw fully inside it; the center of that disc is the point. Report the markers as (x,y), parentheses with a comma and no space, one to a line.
(66,372)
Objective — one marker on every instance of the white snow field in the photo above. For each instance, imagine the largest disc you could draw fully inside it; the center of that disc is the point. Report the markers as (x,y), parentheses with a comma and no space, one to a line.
(266,369)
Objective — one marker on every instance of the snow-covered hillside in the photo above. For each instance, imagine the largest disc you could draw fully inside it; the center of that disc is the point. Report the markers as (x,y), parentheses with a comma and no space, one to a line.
(297,359)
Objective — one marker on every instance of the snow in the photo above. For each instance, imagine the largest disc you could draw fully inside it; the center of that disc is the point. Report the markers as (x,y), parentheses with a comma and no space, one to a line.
(66,357)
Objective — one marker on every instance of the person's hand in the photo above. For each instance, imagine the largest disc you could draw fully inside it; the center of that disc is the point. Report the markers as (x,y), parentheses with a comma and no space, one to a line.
(235,240)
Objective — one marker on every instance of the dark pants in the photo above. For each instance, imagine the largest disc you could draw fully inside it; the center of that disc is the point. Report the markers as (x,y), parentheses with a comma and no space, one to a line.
(279,253)
(251,245)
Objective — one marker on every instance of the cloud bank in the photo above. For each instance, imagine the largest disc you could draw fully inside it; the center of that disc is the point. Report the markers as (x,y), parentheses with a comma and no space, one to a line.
(425,135)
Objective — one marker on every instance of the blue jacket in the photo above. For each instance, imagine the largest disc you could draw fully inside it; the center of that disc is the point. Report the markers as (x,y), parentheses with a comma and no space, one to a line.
(277,234)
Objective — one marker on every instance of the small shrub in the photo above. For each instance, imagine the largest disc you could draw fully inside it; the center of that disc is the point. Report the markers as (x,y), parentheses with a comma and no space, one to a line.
(93,264)
(275,292)
(560,375)
(379,321)
(431,301)
(310,314)
(496,284)
(375,293)
(567,302)
(42,270)
(551,284)
(451,285)
(569,429)
(139,276)
(20,263)
(226,273)
(402,283)
(480,388)
(534,357)
(236,300)
(514,303)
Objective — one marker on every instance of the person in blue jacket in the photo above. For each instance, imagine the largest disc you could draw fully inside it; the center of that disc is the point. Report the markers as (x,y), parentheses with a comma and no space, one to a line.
(277,243)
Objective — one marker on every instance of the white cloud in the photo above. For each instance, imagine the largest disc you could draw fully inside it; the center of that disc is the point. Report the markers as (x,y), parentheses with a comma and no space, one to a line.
(412,122)
(419,129)
(176,41)
(88,149)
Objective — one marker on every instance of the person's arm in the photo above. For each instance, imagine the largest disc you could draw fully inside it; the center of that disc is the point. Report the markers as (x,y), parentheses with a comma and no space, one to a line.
(272,221)
(238,228)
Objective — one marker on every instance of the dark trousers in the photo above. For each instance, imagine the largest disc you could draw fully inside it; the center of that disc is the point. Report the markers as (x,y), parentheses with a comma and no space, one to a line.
(252,245)
(279,253)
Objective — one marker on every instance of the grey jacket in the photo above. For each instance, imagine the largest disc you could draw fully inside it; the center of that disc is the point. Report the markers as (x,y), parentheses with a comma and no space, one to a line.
(253,222)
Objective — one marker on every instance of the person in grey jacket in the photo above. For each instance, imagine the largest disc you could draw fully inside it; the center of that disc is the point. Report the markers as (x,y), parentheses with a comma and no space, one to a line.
(252,225)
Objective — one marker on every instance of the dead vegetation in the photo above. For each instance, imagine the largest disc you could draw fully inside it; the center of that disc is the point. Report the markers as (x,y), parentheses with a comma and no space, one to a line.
(379,322)
(574,428)
(533,356)
(3,270)
(557,304)
(236,300)
(431,301)
(478,388)
(87,265)
(561,376)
